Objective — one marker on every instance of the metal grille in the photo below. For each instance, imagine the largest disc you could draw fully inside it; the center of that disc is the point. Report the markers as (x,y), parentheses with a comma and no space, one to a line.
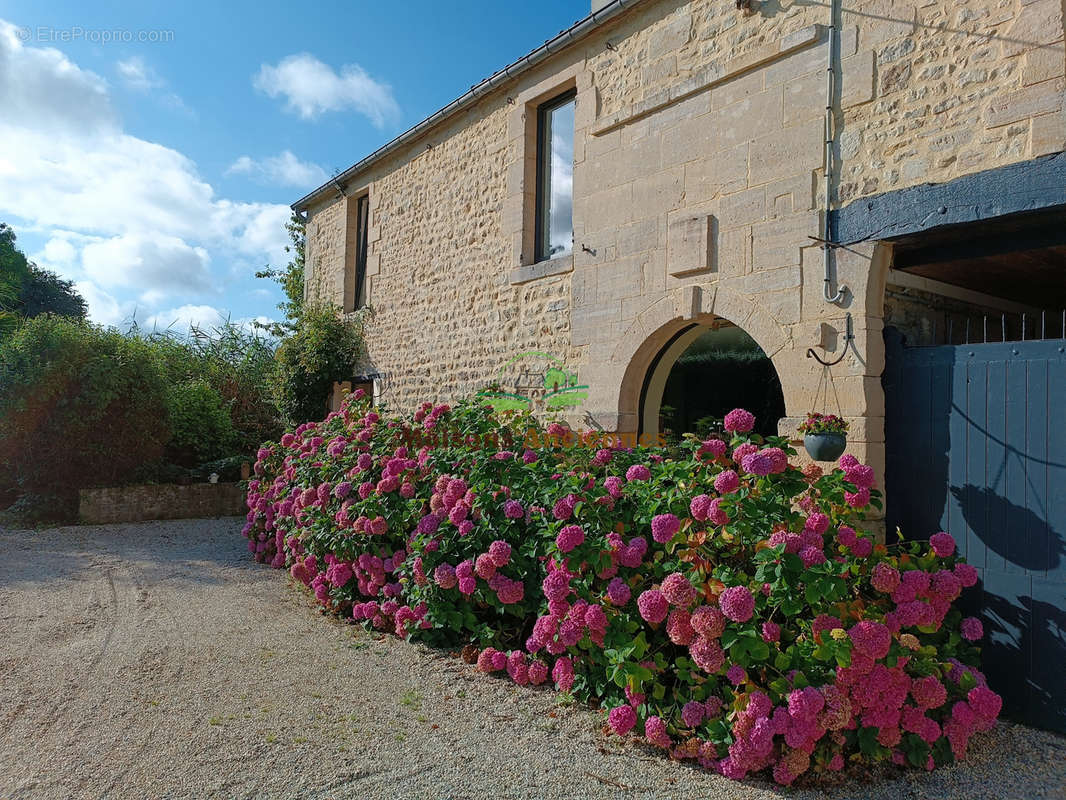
(989,328)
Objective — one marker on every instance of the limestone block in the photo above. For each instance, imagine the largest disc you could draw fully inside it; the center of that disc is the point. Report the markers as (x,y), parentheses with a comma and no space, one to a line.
(857,79)
(737,88)
(659,193)
(778,242)
(1039,23)
(1043,64)
(747,119)
(1048,134)
(691,301)
(669,37)
(782,153)
(742,208)
(734,252)
(805,98)
(723,171)
(691,243)
(1040,98)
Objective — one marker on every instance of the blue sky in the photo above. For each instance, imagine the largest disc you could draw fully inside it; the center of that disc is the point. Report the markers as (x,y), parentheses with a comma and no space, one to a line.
(149,151)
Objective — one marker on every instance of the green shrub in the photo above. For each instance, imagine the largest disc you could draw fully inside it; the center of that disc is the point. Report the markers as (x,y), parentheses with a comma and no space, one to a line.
(712,596)
(237,365)
(79,405)
(200,424)
(325,348)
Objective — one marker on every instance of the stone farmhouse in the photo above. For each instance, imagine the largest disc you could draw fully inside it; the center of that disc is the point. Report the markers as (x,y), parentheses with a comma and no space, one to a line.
(688,205)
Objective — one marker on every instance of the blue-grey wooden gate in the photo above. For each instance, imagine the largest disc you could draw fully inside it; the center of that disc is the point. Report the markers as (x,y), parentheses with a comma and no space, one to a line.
(976,446)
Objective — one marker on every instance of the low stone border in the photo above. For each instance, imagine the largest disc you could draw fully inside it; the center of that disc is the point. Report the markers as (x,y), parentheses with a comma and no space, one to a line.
(160,501)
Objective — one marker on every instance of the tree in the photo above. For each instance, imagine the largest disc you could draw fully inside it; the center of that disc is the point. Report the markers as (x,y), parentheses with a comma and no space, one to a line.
(44,292)
(80,405)
(28,291)
(14,269)
(323,348)
(290,279)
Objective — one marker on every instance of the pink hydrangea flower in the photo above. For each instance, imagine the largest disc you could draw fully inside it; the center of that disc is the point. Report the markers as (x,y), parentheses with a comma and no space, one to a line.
(736,675)
(743,451)
(618,592)
(758,463)
(622,719)
(739,421)
(512,509)
(500,552)
(655,732)
(638,472)
(943,544)
(708,621)
(811,556)
(692,713)
(860,475)
(653,606)
(563,673)
(966,574)
(444,576)
(929,692)
(664,527)
(858,499)
(679,627)
(713,447)
(871,638)
(538,672)
(707,654)
(569,537)
(727,482)
(737,603)
(771,632)
(717,514)
(678,590)
(862,547)
(700,507)
(885,578)
(972,629)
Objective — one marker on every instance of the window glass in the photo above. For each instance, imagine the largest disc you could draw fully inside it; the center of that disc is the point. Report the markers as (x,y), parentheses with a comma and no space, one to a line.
(555,219)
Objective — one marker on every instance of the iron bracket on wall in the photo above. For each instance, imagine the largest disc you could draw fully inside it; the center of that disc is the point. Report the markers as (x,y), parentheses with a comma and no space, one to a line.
(849,337)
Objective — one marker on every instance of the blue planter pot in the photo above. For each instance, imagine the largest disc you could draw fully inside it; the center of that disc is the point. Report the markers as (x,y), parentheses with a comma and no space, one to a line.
(825,446)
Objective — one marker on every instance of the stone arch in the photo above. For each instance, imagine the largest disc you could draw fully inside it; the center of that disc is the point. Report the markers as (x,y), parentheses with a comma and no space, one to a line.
(665,325)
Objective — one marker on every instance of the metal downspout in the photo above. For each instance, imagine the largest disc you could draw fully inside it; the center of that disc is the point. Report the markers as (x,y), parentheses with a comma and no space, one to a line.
(827,228)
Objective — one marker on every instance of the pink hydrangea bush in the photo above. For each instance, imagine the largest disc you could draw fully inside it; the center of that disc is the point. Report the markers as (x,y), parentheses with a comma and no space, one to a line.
(715,599)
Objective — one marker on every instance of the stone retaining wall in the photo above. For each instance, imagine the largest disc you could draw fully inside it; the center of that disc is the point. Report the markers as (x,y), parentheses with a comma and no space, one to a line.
(160,501)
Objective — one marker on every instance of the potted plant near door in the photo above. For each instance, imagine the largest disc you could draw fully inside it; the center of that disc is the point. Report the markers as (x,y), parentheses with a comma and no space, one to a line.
(825,436)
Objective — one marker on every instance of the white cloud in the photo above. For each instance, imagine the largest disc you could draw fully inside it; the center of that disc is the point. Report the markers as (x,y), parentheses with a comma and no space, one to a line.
(44,90)
(184,317)
(136,74)
(144,220)
(103,308)
(151,262)
(59,251)
(311,87)
(284,169)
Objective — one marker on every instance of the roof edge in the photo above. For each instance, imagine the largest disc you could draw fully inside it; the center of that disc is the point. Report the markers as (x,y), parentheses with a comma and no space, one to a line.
(576,31)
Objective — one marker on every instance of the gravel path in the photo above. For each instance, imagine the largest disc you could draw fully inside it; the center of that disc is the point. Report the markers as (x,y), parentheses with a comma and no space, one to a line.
(156,660)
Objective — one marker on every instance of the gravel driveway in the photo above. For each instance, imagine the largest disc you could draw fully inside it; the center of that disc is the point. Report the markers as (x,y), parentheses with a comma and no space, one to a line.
(157,660)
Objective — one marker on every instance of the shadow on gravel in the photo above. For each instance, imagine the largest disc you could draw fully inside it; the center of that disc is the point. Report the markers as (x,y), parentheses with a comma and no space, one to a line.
(161,550)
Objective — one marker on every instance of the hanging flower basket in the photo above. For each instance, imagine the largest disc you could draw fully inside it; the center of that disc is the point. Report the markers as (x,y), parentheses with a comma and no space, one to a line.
(825,436)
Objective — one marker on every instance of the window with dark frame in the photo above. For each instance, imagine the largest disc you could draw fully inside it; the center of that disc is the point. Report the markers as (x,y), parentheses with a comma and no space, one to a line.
(362,215)
(555,171)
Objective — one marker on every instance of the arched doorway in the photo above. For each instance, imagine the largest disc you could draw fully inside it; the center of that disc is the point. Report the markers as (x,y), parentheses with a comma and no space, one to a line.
(703,372)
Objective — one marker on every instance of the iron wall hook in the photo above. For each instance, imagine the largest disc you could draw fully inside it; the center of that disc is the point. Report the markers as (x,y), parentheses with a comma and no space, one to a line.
(849,337)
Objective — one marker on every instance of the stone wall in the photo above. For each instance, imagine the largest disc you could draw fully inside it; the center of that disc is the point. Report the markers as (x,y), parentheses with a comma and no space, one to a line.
(698,179)
(160,501)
